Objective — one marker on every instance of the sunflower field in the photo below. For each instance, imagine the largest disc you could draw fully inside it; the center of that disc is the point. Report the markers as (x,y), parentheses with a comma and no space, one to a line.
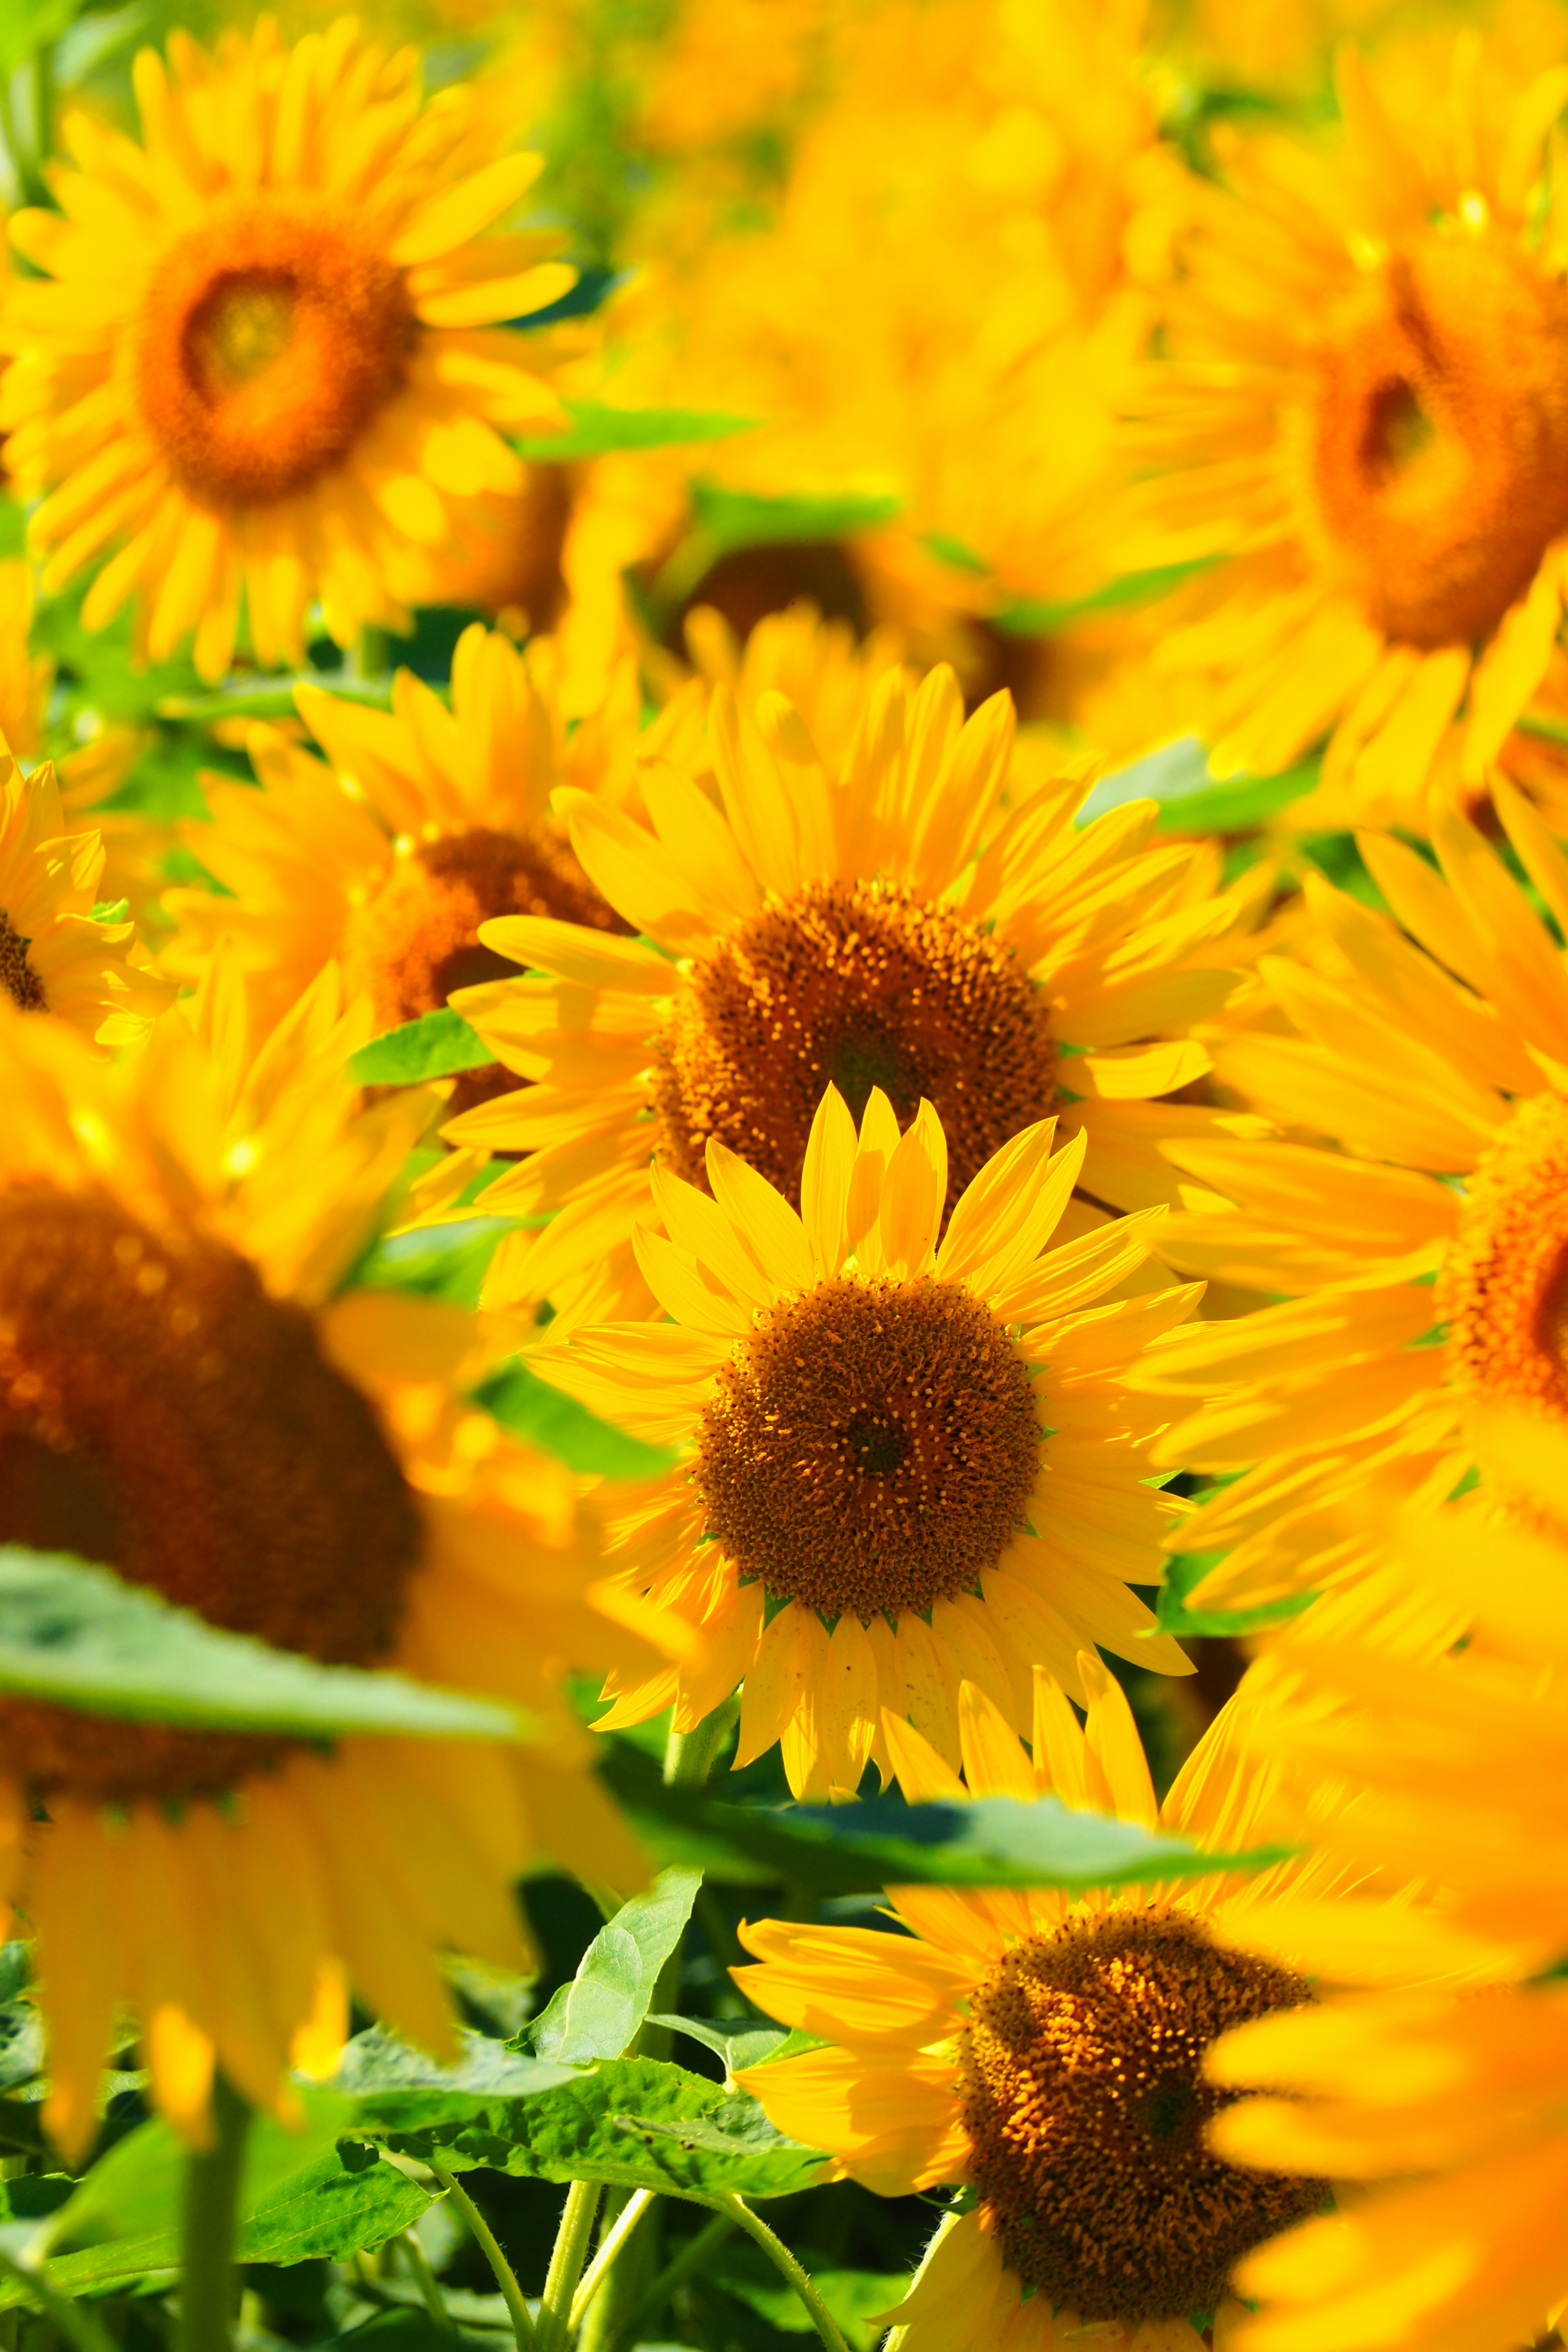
(783,1176)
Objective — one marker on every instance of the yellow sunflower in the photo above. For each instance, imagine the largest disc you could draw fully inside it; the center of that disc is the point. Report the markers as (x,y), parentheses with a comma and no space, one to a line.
(191,1396)
(912,914)
(262,359)
(1048,2052)
(56,955)
(929,1448)
(1359,425)
(1446,2110)
(1420,1249)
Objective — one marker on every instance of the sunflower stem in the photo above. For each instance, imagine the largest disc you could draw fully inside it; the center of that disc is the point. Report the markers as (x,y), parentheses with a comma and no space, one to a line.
(736,2208)
(484,2239)
(209,2226)
(566,2260)
(691,2257)
(689,1756)
(425,2279)
(610,2246)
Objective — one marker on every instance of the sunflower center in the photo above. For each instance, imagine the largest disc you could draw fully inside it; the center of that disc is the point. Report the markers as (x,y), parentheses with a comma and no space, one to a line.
(1085,2102)
(161,1415)
(269,338)
(870,1445)
(1504,1287)
(417,939)
(1440,450)
(17,978)
(865,986)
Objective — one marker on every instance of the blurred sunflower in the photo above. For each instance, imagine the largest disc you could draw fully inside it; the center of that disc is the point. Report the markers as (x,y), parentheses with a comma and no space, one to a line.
(1049,2051)
(188,1394)
(1421,1250)
(910,914)
(263,356)
(423,823)
(1446,2110)
(1358,424)
(929,1447)
(57,953)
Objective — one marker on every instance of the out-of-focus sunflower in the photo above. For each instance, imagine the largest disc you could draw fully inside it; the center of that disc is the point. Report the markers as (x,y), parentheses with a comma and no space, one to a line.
(1049,2052)
(191,1396)
(1421,1251)
(928,1447)
(423,823)
(1358,424)
(1445,2109)
(908,914)
(262,363)
(57,953)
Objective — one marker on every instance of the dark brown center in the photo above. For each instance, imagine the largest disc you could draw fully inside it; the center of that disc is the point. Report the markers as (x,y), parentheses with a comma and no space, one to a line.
(18,978)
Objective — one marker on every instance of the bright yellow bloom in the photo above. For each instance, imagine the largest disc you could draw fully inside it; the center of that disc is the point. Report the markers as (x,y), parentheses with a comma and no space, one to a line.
(898,906)
(56,955)
(1421,1253)
(262,362)
(1359,421)
(1457,2102)
(192,1398)
(1049,2051)
(928,1447)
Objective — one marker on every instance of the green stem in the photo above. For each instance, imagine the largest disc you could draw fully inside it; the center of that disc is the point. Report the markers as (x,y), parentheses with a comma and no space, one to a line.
(484,2239)
(566,2260)
(691,2257)
(688,1755)
(949,2221)
(783,2261)
(73,2322)
(424,2278)
(208,2228)
(610,2246)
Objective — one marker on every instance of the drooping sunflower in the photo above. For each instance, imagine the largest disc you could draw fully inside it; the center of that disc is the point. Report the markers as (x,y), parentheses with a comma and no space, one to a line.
(422,822)
(1446,2110)
(189,1395)
(1421,1248)
(913,915)
(56,955)
(1048,2052)
(1359,426)
(262,363)
(928,1447)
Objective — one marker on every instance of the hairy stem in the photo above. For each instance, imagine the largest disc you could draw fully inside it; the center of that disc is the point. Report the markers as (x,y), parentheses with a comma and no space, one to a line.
(691,2257)
(570,2252)
(784,2262)
(484,2239)
(610,2246)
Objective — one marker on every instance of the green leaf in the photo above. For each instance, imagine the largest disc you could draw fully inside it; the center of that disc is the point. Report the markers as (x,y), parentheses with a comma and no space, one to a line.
(1177,776)
(1184,1571)
(21,2043)
(29,25)
(271,697)
(633,2123)
(596,2015)
(394,2088)
(751,2045)
(858,1849)
(435,1047)
(855,2298)
(558,1424)
(82,1637)
(735,519)
(596,429)
(1039,616)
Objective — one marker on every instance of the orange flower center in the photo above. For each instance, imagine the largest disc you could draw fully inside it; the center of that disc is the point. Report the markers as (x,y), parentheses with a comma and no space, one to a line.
(1440,460)
(269,338)
(417,937)
(1504,1288)
(1085,2102)
(870,1445)
(866,986)
(18,978)
(161,1415)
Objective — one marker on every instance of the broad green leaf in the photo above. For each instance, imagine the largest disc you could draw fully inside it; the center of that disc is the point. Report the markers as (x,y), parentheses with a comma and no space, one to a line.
(860,1848)
(83,1637)
(855,2298)
(1184,1571)
(634,2123)
(596,429)
(733,519)
(1039,616)
(1190,801)
(394,2088)
(435,1047)
(750,2045)
(558,1424)
(29,25)
(598,2012)
(21,2043)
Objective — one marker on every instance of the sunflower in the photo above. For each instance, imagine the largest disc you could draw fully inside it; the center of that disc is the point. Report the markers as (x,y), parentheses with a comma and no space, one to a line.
(422,822)
(261,362)
(1048,2052)
(1446,2110)
(927,1449)
(1359,426)
(1420,1249)
(192,1397)
(913,915)
(57,954)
